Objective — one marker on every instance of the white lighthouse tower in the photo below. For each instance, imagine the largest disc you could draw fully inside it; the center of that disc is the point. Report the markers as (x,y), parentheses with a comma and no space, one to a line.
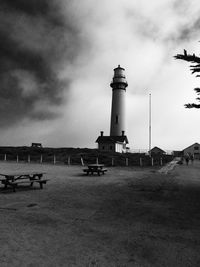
(117,140)
(118,84)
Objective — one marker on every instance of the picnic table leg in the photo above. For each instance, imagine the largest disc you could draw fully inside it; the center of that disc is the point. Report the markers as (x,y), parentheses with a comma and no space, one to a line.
(40,175)
(41,185)
(14,187)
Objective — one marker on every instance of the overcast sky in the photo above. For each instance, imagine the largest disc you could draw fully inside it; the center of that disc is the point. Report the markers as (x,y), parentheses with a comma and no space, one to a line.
(56,64)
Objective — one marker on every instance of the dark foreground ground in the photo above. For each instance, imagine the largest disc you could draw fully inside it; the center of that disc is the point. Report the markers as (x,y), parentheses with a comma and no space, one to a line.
(129,217)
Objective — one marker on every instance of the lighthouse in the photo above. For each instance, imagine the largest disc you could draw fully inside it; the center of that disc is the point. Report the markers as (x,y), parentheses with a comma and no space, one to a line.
(118,84)
(117,140)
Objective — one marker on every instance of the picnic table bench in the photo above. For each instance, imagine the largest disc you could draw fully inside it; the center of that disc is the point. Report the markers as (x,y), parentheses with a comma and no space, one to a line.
(13,179)
(95,168)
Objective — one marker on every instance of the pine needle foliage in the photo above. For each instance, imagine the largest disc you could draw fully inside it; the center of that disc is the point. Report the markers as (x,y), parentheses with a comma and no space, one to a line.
(195,69)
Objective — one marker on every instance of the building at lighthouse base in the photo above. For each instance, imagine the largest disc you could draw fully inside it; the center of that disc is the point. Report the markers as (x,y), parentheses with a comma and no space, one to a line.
(112,143)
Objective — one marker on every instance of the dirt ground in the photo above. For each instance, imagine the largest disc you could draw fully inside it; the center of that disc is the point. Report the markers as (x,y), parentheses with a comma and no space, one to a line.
(128,217)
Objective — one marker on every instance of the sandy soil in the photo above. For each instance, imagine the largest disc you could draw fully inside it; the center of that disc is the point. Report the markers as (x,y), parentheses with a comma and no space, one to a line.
(128,217)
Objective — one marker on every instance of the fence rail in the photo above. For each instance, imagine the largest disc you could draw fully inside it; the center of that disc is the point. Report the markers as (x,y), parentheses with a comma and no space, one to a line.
(115,160)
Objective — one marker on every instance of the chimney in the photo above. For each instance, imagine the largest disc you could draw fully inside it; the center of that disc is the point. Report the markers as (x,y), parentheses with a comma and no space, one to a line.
(101,133)
(123,133)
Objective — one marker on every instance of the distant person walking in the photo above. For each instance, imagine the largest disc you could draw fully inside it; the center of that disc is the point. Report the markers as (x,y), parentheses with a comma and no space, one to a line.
(192,158)
(187,158)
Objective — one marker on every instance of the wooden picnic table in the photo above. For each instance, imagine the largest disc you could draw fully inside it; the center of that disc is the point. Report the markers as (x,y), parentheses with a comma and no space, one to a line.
(95,168)
(13,179)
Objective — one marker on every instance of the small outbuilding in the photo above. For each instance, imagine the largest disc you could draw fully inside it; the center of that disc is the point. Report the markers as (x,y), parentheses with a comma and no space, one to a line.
(192,150)
(112,143)
(177,153)
(157,151)
(37,145)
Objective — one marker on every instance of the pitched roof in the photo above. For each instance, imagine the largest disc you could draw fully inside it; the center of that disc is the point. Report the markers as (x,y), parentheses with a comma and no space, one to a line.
(112,139)
(160,150)
(195,144)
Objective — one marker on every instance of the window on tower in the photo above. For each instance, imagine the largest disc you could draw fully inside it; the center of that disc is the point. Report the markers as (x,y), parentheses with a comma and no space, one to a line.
(116,119)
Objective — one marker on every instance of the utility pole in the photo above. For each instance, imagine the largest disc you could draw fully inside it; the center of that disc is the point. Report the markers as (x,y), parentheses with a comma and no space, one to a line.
(150,125)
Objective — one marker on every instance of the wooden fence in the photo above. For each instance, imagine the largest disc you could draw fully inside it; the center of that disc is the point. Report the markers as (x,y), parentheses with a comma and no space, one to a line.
(108,160)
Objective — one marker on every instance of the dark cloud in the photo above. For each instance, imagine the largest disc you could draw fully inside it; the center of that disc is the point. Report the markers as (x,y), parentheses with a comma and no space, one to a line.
(32,7)
(36,40)
(189,31)
(144,26)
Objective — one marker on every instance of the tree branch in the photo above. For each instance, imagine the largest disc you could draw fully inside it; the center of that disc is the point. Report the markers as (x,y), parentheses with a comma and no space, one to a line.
(194,69)
(187,57)
(192,105)
(197,90)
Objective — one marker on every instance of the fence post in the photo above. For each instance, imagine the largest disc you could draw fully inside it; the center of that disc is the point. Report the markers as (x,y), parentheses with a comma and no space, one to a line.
(112,161)
(82,162)
(161,162)
(141,162)
(152,161)
(17,159)
(29,158)
(54,159)
(41,159)
(5,157)
(97,160)
(126,161)
(68,161)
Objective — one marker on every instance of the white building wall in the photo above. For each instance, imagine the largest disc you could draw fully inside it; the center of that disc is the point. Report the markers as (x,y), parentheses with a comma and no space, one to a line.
(120,147)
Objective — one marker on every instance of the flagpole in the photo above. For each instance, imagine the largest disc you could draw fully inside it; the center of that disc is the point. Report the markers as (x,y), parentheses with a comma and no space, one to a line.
(150,124)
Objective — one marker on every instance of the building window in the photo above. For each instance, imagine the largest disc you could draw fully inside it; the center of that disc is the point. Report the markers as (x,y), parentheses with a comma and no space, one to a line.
(196,148)
(103,147)
(116,119)
(111,147)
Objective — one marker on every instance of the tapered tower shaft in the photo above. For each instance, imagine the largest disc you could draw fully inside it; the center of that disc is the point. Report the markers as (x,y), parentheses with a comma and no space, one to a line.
(118,84)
